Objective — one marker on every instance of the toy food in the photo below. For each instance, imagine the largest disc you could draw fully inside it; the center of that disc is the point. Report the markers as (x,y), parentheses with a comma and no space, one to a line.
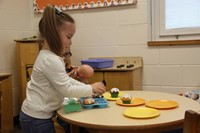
(126,99)
(97,96)
(71,105)
(114,92)
(88,100)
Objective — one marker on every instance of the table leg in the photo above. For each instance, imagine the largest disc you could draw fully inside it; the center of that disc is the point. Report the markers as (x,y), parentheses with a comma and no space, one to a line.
(74,129)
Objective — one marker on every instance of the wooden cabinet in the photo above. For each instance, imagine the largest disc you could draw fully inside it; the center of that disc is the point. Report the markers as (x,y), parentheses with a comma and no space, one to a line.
(27,51)
(122,78)
(6,103)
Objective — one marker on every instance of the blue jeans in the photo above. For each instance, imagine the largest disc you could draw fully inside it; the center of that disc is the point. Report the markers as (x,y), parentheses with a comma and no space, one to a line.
(34,125)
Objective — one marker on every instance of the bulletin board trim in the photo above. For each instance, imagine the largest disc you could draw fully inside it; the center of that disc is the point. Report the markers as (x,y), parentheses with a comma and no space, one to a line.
(63,5)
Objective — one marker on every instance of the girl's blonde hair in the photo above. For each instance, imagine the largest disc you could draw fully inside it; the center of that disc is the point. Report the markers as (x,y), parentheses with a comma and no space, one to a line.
(51,20)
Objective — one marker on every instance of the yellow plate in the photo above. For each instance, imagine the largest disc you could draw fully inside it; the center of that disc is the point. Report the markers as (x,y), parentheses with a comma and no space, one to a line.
(134,102)
(107,96)
(162,104)
(141,112)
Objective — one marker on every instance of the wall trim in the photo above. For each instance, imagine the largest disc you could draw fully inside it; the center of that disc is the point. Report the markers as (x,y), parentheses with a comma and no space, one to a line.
(172,43)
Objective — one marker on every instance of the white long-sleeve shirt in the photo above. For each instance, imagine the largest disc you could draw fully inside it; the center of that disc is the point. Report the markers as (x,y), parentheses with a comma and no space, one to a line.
(48,86)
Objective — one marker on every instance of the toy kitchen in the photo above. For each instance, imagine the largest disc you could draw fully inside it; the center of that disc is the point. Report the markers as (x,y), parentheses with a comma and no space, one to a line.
(125,73)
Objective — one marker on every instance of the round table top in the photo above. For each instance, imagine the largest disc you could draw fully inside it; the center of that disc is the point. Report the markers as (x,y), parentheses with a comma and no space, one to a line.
(112,116)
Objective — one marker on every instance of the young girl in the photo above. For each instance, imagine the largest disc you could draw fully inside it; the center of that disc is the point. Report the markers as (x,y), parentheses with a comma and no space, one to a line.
(49,82)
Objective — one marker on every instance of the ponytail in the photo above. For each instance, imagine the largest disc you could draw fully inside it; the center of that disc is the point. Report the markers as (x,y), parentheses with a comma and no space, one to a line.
(48,27)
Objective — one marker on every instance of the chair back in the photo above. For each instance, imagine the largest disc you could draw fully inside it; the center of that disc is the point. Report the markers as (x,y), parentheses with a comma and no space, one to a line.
(191,122)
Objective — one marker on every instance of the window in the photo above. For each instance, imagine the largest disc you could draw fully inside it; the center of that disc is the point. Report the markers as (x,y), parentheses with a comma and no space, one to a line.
(172,19)
(184,16)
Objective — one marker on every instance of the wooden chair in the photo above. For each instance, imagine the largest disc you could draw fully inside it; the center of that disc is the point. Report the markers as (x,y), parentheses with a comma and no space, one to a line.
(58,128)
(191,122)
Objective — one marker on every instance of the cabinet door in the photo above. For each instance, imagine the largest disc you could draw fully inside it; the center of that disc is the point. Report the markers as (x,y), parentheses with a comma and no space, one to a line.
(97,77)
(121,80)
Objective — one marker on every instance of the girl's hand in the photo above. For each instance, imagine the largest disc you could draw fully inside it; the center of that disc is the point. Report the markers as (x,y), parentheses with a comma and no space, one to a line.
(98,88)
(75,75)
(72,73)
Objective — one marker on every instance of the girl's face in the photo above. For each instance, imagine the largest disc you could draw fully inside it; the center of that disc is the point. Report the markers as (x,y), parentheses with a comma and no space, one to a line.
(66,33)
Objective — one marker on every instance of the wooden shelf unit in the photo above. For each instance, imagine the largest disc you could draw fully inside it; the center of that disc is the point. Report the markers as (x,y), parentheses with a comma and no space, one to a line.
(27,51)
(6,103)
